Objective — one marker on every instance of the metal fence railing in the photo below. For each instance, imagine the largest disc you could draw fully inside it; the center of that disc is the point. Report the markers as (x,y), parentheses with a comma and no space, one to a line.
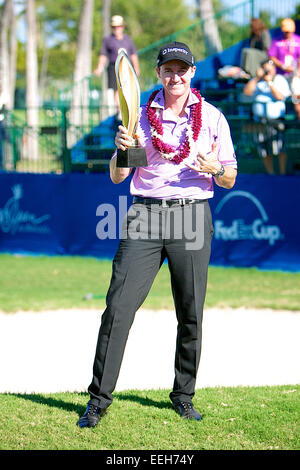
(69,134)
(50,145)
(63,147)
(230,32)
(233,23)
(274,10)
(35,149)
(233,26)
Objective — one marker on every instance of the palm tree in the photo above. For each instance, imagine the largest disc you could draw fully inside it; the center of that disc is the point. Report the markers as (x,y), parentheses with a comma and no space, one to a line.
(13,56)
(83,64)
(210,28)
(7,55)
(32,101)
(107,97)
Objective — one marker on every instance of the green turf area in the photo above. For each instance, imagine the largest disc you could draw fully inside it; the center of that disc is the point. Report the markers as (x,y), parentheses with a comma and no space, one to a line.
(261,418)
(42,282)
(234,418)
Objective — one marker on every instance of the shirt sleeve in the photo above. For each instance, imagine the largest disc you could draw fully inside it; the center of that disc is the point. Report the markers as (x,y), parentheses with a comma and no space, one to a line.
(283,85)
(272,52)
(104,50)
(226,152)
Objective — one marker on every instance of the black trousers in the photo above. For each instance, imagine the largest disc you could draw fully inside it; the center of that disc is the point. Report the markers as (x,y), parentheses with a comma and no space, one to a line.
(111,75)
(151,234)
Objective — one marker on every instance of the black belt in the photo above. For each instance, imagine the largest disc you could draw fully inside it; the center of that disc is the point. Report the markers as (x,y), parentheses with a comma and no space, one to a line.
(166,202)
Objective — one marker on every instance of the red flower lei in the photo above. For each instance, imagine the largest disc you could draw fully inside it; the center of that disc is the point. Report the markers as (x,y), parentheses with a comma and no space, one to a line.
(192,130)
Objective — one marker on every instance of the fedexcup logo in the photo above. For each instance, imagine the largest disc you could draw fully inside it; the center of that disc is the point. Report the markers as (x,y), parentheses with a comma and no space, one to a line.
(13,219)
(258,229)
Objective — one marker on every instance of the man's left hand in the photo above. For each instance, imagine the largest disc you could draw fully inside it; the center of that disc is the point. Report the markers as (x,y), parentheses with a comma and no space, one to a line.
(208,163)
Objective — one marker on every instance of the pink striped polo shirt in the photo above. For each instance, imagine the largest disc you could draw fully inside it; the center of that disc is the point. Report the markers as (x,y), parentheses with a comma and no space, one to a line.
(163,179)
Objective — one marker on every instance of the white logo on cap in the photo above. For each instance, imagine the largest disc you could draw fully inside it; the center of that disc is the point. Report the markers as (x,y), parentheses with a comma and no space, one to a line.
(174,49)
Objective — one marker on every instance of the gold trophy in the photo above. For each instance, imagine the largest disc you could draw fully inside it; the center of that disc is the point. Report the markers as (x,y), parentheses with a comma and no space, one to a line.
(129,96)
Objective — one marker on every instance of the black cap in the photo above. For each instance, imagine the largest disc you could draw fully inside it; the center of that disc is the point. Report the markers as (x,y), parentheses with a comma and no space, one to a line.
(175,51)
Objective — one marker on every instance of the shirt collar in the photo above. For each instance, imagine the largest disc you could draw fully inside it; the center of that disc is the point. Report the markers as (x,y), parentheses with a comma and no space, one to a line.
(159,100)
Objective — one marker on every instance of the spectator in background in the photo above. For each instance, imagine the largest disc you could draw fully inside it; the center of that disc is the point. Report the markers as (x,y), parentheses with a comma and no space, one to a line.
(259,43)
(295,89)
(285,50)
(109,52)
(269,91)
(285,53)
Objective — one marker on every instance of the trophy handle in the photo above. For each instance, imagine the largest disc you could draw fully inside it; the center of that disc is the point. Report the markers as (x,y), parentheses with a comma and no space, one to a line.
(129,95)
(128,90)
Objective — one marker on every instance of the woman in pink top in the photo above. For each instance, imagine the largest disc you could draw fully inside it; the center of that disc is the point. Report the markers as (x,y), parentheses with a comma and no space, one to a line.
(285,50)
(285,53)
(188,145)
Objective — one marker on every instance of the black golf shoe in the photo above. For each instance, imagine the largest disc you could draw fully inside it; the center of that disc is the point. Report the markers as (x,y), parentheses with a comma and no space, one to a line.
(186,410)
(91,417)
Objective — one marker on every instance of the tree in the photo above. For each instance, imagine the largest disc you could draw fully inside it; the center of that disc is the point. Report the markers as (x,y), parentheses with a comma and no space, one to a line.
(83,65)
(210,29)
(61,20)
(148,21)
(296,16)
(4,55)
(13,56)
(7,55)
(84,46)
(145,23)
(32,100)
(106,17)
(105,109)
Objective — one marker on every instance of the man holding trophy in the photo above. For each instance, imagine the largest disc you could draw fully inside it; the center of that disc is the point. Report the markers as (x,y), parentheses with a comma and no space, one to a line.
(178,145)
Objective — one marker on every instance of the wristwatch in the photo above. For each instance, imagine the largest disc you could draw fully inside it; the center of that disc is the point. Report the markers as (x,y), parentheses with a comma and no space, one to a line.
(220,172)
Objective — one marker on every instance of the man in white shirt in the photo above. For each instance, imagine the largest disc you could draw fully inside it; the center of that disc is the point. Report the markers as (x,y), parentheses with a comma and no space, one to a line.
(269,91)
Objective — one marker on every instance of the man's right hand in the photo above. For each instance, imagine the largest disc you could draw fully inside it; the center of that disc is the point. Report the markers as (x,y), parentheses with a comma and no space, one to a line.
(123,139)
(260,73)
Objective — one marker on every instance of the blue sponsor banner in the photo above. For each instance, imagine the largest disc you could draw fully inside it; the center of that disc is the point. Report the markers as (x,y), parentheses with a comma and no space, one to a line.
(56,214)
(256,223)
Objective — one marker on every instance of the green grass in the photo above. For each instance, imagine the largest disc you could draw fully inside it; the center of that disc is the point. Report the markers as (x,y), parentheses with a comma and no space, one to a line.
(252,418)
(42,283)
(238,418)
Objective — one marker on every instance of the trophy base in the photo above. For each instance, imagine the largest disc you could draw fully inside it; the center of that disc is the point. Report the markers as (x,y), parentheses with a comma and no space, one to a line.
(131,157)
